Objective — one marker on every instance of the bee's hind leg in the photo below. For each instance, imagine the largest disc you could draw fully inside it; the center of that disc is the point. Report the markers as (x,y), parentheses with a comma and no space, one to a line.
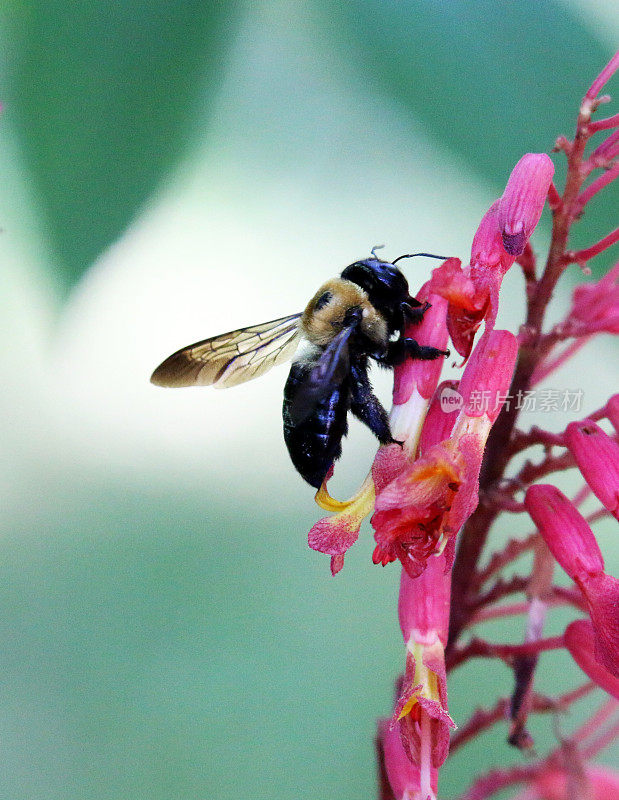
(367,407)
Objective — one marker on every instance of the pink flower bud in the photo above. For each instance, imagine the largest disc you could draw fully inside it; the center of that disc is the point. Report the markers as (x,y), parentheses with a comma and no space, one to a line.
(597,456)
(522,202)
(596,305)
(565,531)
(612,411)
(573,544)
(580,641)
(488,374)
(553,783)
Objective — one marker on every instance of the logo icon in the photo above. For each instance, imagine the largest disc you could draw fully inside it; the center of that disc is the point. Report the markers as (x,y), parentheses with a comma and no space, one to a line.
(451,400)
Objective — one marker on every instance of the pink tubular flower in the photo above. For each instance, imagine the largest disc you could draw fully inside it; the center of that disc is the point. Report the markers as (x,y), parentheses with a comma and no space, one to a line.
(596,305)
(420,512)
(421,709)
(520,207)
(469,301)
(402,774)
(597,456)
(573,544)
(442,415)
(580,641)
(501,237)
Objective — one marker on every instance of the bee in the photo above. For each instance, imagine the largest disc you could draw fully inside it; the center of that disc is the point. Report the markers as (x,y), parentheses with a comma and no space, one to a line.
(358,316)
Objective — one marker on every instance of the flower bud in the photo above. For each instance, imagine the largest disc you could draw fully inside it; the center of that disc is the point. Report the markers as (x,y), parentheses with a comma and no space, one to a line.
(596,305)
(573,544)
(522,202)
(580,641)
(597,456)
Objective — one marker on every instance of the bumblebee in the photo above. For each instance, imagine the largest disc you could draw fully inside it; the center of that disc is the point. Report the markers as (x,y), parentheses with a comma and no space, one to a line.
(358,316)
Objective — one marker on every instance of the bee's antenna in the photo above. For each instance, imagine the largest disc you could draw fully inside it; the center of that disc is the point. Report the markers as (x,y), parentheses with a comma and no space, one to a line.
(375,248)
(414,255)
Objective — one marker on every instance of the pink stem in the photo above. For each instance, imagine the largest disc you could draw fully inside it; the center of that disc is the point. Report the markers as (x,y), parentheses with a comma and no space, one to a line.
(603,740)
(602,153)
(510,553)
(602,124)
(479,648)
(497,780)
(580,256)
(590,727)
(554,198)
(546,368)
(594,187)
(603,77)
(511,610)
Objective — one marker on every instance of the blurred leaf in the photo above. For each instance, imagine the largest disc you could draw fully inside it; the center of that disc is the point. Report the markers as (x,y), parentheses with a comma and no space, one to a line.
(488,80)
(104,95)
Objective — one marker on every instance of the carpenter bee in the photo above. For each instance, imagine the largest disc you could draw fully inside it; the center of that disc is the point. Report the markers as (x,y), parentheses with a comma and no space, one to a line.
(358,316)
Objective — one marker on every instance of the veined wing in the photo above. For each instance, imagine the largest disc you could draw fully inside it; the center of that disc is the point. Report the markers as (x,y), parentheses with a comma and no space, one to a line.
(231,358)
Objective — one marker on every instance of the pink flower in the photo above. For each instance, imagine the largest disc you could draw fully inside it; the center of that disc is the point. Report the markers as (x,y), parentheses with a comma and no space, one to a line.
(412,512)
(553,783)
(502,235)
(488,374)
(580,641)
(520,207)
(573,544)
(597,456)
(403,776)
(422,509)
(421,709)
(469,302)
(596,305)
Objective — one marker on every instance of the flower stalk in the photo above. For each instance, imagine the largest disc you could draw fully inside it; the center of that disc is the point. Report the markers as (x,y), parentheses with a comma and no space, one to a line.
(435,500)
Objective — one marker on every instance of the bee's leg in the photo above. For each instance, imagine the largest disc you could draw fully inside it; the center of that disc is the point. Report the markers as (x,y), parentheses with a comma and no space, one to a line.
(413,310)
(367,407)
(404,348)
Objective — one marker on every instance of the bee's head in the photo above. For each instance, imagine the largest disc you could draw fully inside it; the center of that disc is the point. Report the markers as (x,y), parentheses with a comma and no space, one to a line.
(384,284)
(377,278)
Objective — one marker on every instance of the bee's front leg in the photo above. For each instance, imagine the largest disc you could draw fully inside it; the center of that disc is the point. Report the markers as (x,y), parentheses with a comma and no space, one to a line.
(414,314)
(405,347)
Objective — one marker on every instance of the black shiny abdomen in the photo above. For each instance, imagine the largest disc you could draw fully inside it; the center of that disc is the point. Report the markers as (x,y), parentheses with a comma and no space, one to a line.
(315,442)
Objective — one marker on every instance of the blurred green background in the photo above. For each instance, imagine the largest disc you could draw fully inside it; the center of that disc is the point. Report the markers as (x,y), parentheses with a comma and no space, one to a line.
(170,170)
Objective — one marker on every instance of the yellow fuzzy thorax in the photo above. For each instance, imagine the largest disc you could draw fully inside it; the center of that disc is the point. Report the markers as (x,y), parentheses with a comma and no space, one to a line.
(320,325)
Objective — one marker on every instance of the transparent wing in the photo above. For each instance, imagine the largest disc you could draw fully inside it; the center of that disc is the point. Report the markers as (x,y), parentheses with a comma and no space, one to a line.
(231,358)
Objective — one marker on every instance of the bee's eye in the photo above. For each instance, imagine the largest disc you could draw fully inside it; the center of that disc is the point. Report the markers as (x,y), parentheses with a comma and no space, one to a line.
(323,300)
